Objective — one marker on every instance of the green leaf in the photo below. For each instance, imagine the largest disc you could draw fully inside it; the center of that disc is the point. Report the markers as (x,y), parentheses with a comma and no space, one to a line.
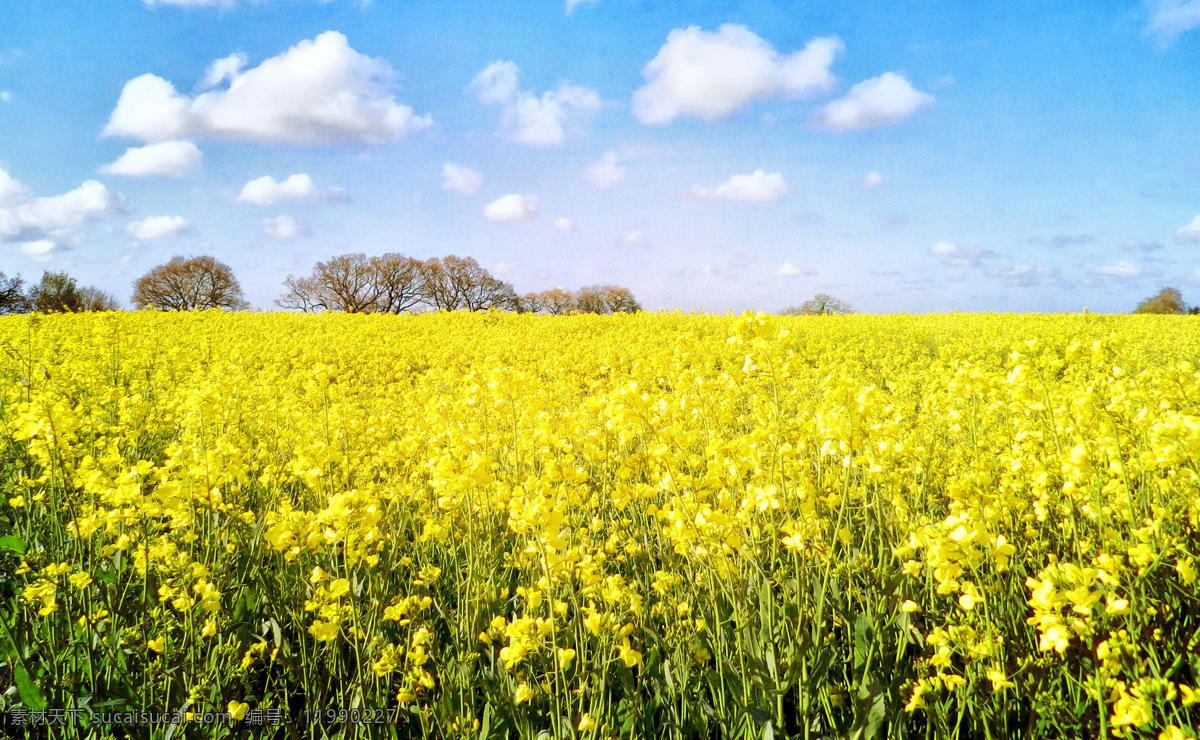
(486,727)
(30,694)
(14,543)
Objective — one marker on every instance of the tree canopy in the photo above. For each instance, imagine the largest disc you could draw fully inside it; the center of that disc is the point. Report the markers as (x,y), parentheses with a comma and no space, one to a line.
(189,284)
(1166,301)
(821,304)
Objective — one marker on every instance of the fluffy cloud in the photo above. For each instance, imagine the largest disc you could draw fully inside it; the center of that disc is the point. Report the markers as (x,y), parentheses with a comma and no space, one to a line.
(712,75)
(1189,232)
(282,227)
(54,217)
(170,158)
(875,102)
(40,250)
(511,207)
(1122,269)
(1141,245)
(459,179)
(318,92)
(1021,275)
(564,224)
(758,187)
(957,255)
(265,190)
(787,269)
(871,181)
(605,172)
(525,117)
(157,227)
(5,96)
(1171,18)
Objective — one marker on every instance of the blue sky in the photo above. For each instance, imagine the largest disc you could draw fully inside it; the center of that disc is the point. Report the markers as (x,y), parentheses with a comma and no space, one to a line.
(903,156)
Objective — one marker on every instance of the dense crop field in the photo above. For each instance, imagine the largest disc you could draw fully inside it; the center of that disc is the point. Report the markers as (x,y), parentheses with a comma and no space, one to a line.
(495,525)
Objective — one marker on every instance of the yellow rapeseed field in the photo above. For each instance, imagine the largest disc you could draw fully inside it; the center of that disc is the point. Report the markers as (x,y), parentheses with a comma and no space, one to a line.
(655,525)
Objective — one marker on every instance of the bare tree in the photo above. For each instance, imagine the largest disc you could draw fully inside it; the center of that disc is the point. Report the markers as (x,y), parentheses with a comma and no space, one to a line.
(398,279)
(819,305)
(197,283)
(590,300)
(12,298)
(619,300)
(95,299)
(605,299)
(557,301)
(344,283)
(455,282)
(437,290)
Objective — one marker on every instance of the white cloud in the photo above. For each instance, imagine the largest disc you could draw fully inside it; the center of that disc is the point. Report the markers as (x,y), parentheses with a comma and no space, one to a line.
(157,227)
(54,217)
(957,255)
(871,181)
(40,250)
(265,190)
(459,179)
(631,238)
(1171,18)
(712,75)
(878,101)
(526,118)
(282,227)
(1122,269)
(1021,275)
(787,269)
(1141,245)
(5,96)
(709,270)
(170,158)
(224,69)
(758,187)
(511,207)
(605,172)
(318,92)
(1189,232)
(506,268)
(12,190)
(572,4)
(564,224)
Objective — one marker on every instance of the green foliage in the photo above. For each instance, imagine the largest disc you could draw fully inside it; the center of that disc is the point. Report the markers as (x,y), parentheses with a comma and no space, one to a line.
(1166,301)
(57,292)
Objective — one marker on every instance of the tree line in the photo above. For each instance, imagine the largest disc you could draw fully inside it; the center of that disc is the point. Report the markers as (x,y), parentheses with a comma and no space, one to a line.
(350,283)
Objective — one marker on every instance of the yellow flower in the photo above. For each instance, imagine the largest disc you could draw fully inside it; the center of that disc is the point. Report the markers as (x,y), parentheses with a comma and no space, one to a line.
(629,656)
(586,722)
(523,693)
(910,606)
(80,580)
(565,656)
(209,629)
(238,709)
(324,631)
(158,644)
